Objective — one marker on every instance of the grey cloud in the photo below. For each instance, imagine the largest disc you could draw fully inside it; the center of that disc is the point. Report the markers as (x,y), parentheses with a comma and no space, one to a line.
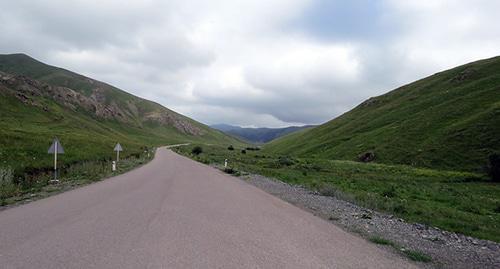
(252,62)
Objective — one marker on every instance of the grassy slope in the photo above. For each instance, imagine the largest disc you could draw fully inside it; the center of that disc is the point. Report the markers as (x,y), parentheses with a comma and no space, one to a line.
(449,120)
(26,131)
(21,64)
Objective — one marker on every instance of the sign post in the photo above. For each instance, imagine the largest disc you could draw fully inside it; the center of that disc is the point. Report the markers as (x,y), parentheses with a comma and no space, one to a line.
(56,148)
(118,148)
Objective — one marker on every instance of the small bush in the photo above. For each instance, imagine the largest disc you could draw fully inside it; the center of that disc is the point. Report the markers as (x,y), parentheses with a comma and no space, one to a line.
(197,150)
(390,192)
(285,161)
(230,147)
(252,148)
(494,167)
(366,157)
(243,151)
(497,209)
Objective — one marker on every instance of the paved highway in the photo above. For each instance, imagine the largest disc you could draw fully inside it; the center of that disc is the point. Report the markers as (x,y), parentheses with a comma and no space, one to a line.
(176,213)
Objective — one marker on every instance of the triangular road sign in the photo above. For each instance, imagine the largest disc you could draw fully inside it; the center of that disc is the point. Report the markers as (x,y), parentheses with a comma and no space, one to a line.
(118,147)
(52,149)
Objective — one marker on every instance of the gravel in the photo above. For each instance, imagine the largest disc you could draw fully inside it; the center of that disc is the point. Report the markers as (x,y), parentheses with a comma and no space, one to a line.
(447,249)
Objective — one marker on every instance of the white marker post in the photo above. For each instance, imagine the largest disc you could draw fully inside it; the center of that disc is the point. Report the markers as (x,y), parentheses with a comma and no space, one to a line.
(118,148)
(56,148)
(225,163)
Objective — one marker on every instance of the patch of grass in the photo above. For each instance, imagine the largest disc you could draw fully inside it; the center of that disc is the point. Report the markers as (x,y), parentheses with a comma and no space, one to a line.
(411,254)
(416,255)
(381,241)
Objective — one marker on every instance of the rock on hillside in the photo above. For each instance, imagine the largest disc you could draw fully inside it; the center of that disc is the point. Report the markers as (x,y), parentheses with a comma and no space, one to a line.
(30,91)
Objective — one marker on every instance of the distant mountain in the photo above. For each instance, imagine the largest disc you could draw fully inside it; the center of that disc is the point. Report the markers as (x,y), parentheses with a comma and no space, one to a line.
(39,102)
(449,120)
(258,135)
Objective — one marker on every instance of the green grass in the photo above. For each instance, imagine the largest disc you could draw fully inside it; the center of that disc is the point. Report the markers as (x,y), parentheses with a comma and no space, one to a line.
(381,241)
(411,254)
(461,202)
(450,120)
(38,186)
(416,255)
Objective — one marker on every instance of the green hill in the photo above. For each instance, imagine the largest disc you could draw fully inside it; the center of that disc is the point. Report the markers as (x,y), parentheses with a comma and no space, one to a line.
(450,120)
(39,102)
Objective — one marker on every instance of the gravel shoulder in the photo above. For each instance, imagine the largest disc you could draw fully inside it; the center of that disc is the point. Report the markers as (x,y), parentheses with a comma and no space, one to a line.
(447,249)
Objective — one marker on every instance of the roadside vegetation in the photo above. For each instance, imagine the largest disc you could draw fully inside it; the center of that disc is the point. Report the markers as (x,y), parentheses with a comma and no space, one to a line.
(411,254)
(462,202)
(22,188)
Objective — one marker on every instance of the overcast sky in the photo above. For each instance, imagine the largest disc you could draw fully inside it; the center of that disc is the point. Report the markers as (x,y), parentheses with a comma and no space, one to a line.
(250,62)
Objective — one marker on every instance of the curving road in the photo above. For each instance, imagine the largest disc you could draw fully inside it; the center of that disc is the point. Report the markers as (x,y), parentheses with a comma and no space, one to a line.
(176,213)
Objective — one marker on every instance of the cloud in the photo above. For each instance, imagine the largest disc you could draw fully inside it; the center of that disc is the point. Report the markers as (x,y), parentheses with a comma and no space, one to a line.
(253,63)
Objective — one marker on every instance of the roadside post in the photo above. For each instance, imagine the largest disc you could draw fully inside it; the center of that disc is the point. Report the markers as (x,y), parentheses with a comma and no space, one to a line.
(118,148)
(225,163)
(113,166)
(55,148)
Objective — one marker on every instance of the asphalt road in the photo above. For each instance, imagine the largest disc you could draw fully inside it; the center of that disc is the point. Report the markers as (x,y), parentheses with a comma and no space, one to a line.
(176,213)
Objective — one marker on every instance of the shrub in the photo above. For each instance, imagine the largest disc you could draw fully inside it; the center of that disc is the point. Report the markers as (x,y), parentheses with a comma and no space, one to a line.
(285,161)
(497,209)
(366,157)
(495,167)
(230,147)
(197,150)
(390,192)
(243,151)
(231,171)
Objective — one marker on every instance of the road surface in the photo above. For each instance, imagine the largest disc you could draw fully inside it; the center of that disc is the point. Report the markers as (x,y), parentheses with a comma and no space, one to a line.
(176,213)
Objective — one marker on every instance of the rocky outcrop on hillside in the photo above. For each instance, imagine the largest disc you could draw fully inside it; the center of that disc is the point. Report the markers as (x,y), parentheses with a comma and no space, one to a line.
(32,92)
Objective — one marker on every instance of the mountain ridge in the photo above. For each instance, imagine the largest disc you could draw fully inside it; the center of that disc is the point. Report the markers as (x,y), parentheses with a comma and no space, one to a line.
(258,135)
